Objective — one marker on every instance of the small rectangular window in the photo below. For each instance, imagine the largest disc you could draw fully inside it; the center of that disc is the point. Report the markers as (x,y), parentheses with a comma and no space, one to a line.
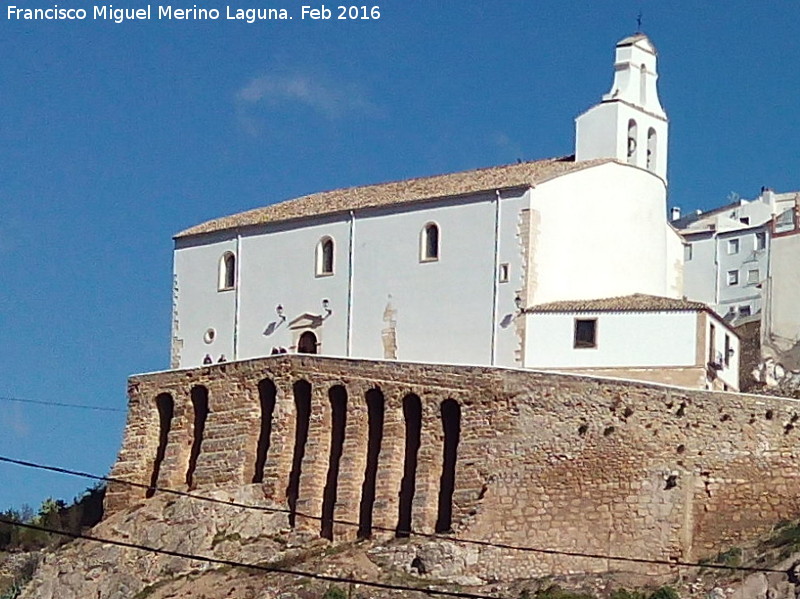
(744,310)
(502,275)
(712,343)
(761,241)
(585,332)
(745,220)
(733,277)
(752,276)
(728,350)
(733,246)
(687,252)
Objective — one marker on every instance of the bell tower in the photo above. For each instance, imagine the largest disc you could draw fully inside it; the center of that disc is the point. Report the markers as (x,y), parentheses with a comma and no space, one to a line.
(629,123)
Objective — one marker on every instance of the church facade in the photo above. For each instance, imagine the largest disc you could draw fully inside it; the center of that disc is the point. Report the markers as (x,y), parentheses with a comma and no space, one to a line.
(446,268)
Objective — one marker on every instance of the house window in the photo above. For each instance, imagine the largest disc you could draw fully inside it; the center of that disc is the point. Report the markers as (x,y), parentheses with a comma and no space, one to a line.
(728,350)
(761,241)
(712,344)
(502,275)
(745,220)
(733,246)
(744,310)
(585,332)
(227,272)
(429,243)
(752,276)
(733,277)
(325,257)
(687,252)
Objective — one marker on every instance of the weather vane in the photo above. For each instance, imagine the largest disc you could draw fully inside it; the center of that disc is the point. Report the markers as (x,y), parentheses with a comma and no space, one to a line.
(639,22)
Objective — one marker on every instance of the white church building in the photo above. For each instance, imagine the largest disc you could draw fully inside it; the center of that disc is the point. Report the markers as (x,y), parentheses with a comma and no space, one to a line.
(448,268)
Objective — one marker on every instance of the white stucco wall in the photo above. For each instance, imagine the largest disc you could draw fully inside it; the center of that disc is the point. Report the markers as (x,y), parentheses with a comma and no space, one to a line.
(624,339)
(594,233)
(452,310)
(729,373)
(602,132)
(781,318)
(745,292)
(278,266)
(442,310)
(598,233)
(199,303)
(700,278)
(675,253)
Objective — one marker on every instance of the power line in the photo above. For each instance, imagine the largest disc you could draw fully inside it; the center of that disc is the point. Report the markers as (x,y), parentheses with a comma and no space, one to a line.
(225,562)
(440,537)
(59,404)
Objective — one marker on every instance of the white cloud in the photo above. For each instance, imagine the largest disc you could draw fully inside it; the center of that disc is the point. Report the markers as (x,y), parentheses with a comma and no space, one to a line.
(330,99)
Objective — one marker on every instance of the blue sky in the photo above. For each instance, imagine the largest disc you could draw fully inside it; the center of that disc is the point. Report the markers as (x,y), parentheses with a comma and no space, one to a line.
(113,137)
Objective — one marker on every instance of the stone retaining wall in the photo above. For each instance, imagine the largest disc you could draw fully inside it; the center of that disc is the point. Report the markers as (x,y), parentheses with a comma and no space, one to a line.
(544,460)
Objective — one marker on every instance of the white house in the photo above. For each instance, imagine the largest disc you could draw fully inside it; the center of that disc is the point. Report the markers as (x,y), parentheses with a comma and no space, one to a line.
(438,269)
(634,337)
(727,252)
(780,318)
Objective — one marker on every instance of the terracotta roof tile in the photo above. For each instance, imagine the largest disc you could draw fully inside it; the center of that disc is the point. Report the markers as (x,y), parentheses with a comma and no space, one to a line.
(638,302)
(399,192)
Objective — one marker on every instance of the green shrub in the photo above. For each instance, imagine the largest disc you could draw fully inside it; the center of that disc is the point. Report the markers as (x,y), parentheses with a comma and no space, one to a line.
(626,594)
(334,592)
(665,593)
(556,592)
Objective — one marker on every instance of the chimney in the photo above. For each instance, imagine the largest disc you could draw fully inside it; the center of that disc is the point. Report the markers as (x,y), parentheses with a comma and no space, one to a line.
(676,214)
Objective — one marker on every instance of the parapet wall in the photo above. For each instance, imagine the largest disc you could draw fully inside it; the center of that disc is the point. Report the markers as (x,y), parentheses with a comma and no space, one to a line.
(525,458)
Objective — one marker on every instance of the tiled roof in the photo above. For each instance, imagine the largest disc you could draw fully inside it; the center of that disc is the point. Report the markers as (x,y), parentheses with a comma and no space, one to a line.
(400,192)
(638,302)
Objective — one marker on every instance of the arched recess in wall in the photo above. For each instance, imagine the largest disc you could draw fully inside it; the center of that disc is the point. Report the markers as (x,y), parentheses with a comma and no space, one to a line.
(199,395)
(412,414)
(302,406)
(227,271)
(643,85)
(652,141)
(166,410)
(338,401)
(266,397)
(375,415)
(632,141)
(451,427)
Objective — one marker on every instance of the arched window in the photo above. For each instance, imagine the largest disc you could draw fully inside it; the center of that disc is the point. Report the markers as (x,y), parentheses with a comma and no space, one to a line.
(429,243)
(651,149)
(632,136)
(227,271)
(307,343)
(643,85)
(325,257)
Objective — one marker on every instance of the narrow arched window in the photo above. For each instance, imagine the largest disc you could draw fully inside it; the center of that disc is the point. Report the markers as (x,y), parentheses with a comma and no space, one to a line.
(429,243)
(643,85)
(325,256)
(651,149)
(227,271)
(632,135)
